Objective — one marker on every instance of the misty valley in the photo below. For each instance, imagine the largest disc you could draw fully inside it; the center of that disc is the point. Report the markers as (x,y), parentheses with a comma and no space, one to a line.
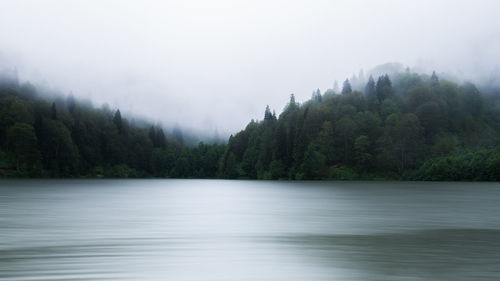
(236,140)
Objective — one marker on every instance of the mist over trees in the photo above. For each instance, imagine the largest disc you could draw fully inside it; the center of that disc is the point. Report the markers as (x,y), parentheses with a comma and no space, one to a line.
(409,127)
(403,126)
(65,138)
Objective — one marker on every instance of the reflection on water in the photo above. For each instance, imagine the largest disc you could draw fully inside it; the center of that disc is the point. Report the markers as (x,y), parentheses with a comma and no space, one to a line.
(248,230)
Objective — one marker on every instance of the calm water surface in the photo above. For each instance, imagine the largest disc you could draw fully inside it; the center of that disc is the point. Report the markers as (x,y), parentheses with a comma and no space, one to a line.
(248,230)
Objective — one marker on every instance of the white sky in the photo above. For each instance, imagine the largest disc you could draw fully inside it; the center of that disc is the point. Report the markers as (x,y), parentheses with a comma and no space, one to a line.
(216,64)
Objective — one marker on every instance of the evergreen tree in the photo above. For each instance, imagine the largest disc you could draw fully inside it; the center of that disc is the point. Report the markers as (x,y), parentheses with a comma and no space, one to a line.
(21,139)
(346,87)
(362,155)
(71,104)
(117,120)
(316,95)
(53,111)
(160,139)
(267,114)
(410,130)
(152,136)
(370,87)
(434,79)
(314,163)
(384,88)
(370,94)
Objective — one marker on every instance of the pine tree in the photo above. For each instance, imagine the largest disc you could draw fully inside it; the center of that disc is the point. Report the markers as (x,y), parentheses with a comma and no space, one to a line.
(267,114)
(117,119)
(384,88)
(152,136)
(434,79)
(370,94)
(316,95)
(346,88)
(53,112)
(161,140)
(370,87)
(70,102)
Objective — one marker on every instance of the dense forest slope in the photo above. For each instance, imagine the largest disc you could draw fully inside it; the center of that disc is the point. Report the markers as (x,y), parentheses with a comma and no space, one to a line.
(62,137)
(407,126)
(414,127)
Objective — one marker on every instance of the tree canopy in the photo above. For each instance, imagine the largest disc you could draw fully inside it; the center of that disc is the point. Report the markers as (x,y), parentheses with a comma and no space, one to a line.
(408,126)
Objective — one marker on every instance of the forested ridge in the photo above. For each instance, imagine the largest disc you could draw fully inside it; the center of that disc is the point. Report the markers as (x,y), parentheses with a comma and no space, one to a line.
(62,137)
(408,126)
(412,127)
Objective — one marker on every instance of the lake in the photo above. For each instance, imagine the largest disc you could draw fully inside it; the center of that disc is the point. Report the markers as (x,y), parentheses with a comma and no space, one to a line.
(248,230)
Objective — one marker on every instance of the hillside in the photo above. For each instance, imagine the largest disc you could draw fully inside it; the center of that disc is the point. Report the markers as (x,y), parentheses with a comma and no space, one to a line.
(408,126)
(63,137)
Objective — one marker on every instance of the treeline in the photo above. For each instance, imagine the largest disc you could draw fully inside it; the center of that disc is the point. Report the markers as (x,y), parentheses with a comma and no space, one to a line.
(412,127)
(66,138)
(407,126)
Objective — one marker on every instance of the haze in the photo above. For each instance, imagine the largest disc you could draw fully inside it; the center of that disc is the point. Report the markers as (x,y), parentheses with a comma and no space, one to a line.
(210,65)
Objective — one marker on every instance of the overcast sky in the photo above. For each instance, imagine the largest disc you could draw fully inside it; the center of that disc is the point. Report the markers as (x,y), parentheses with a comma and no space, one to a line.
(209,64)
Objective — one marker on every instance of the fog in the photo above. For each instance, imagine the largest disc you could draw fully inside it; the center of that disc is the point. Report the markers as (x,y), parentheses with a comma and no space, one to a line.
(215,65)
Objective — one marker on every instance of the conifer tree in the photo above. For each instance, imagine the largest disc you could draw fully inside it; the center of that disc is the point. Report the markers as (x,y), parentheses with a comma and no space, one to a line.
(161,140)
(117,119)
(267,114)
(434,79)
(53,111)
(370,87)
(346,88)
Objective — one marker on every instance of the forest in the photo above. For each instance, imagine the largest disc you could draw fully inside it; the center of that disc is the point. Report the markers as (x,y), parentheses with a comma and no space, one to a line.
(62,137)
(406,126)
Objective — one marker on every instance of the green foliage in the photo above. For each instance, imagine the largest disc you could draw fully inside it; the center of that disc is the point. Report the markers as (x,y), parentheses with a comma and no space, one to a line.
(60,155)
(362,155)
(419,127)
(418,96)
(121,171)
(386,132)
(117,119)
(387,108)
(371,94)
(65,138)
(346,87)
(314,163)
(442,146)
(472,165)
(430,116)
(472,100)
(343,173)
(326,142)
(277,169)
(22,141)
(384,88)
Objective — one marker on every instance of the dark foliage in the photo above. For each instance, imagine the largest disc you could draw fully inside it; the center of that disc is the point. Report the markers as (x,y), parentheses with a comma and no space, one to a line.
(64,138)
(415,127)
(411,127)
